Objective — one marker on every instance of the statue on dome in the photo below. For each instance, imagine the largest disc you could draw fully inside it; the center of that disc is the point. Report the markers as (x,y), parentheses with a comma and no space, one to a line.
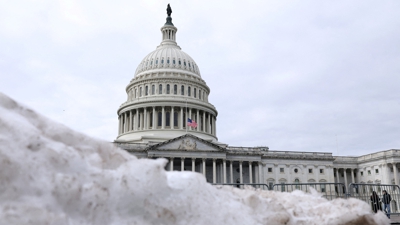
(169,10)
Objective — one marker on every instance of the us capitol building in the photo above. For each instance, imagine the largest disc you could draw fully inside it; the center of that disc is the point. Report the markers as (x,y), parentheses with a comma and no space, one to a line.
(168,89)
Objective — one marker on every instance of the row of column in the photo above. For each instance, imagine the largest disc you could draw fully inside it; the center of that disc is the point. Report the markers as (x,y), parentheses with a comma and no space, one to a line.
(258,177)
(345,176)
(144,119)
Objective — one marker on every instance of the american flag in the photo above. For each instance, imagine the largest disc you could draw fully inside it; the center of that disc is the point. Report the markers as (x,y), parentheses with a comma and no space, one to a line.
(191,123)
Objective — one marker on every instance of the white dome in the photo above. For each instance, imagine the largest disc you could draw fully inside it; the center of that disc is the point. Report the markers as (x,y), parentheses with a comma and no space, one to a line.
(168,57)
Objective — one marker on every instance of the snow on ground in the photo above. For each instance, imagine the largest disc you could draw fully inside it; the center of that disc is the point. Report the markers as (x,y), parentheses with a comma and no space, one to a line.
(51,174)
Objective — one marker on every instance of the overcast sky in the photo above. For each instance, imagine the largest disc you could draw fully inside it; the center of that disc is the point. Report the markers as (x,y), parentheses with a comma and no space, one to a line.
(290,75)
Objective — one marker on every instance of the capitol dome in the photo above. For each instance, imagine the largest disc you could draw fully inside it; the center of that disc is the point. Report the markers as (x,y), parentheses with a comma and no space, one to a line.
(166,93)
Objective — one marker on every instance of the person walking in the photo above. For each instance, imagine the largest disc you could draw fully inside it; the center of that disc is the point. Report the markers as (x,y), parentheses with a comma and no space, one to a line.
(386,203)
(376,202)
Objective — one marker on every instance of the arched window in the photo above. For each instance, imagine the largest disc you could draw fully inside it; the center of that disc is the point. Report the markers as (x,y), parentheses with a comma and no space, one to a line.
(175,118)
(147,90)
(167,118)
(159,118)
(175,89)
(160,89)
(167,88)
(194,92)
(188,91)
(153,89)
(140,92)
(182,90)
(168,61)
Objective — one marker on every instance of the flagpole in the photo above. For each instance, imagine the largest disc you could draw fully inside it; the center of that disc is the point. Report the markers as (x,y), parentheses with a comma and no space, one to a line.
(186,117)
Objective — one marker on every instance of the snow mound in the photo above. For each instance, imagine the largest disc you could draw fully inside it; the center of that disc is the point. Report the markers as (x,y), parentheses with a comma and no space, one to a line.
(51,174)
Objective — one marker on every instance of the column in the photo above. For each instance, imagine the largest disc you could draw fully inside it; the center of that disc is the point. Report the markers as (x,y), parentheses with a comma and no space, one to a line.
(171,120)
(145,119)
(182,164)
(171,164)
(137,119)
(345,177)
(193,164)
(231,170)
(154,118)
(125,115)
(337,175)
(256,176)
(130,120)
(224,170)
(204,166)
(141,121)
(251,172)
(214,172)
(119,124)
(198,120)
(241,171)
(352,176)
(190,116)
(163,118)
(396,178)
(181,120)
(204,122)
(208,123)
(260,179)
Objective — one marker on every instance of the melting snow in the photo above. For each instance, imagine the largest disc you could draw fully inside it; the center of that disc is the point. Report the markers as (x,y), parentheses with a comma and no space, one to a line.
(51,174)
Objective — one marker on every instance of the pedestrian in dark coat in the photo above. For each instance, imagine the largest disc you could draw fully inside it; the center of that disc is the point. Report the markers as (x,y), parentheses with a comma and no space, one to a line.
(376,202)
(386,203)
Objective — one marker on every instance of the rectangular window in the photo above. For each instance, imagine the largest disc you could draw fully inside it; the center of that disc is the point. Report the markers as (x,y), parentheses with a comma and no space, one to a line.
(182,90)
(376,171)
(269,169)
(282,170)
(199,94)
(362,173)
(153,89)
(167,88)
(159,119)
(194,92)
(147,90)
(321,171)
(140,92)
(160,89)
(175,89)
(188,91)
(369,172)
(309,170)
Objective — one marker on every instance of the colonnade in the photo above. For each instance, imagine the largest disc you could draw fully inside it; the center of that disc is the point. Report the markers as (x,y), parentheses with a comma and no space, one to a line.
(166,117)
(345,175)
(221,168)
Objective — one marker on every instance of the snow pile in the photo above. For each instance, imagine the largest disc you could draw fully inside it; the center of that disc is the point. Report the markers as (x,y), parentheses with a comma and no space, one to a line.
(52,175)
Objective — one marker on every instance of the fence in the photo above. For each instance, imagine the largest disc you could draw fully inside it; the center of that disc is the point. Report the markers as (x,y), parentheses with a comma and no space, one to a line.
(254,185)
(363,192)
(329,190)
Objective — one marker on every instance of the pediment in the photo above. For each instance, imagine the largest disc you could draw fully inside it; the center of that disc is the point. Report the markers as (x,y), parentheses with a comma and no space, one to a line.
(187,142)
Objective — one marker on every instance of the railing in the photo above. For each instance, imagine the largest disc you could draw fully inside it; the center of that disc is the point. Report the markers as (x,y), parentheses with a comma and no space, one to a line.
(364,193)
(254,185)
(329,191)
